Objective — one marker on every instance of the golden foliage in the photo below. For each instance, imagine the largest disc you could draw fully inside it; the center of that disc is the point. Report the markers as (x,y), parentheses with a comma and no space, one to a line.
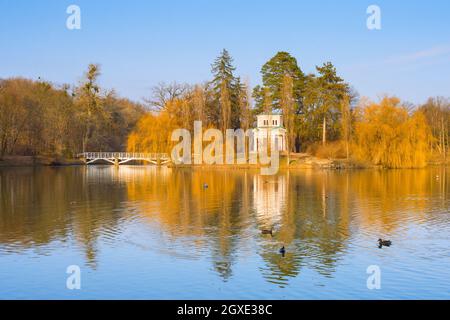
(152,133)
(332,150)
(386,134)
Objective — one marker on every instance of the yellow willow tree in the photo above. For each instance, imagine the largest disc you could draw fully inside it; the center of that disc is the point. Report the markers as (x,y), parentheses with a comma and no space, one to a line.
(386,134)
(346,123)
(152,134)
(199,103)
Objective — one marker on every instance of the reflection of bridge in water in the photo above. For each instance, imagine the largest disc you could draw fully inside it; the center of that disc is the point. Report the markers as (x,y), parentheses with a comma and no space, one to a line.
(118,158)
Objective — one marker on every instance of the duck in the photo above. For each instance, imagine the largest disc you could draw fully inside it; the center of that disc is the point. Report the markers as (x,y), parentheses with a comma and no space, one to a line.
(267,231)
(386,243)
(283,251)
(205,186)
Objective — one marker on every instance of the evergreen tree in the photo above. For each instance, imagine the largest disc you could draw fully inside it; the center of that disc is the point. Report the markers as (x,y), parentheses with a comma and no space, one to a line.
(225,89)
(273,73)
(331,90)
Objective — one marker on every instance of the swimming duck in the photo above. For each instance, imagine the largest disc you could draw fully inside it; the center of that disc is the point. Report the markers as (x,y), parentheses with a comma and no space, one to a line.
(267,231)
(386,243)
(283,251)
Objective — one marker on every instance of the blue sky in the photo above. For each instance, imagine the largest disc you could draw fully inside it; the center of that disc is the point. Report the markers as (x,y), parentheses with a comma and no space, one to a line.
(140,43)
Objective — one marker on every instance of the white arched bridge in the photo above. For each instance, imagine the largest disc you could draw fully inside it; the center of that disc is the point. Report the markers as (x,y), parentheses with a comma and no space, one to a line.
(118,158)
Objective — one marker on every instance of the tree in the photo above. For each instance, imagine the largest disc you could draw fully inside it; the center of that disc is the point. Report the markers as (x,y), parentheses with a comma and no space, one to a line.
(437,113)
(288,106)
(13,114)
(225,105)
(162,93)
(38,118)
(222,70)
(153,133)
(224,87)
(246,118)
(273,73)
(385,134)
(89,102)
(241,103)
(121,116)
(328,90)
(267,101)
(199,103)
(346,123)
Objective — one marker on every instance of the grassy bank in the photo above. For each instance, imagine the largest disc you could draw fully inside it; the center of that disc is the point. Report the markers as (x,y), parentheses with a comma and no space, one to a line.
(297,161)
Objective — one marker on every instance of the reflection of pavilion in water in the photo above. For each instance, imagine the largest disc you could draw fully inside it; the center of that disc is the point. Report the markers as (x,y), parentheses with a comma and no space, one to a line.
(270,201)
(269,198)
(314,214)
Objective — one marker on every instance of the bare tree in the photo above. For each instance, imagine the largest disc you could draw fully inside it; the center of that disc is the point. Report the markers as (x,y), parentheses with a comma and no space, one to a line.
(199,103)
(163,93)
(437,113)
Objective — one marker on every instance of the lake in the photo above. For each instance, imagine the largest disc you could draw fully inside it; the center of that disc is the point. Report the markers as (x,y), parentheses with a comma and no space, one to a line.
(141,232)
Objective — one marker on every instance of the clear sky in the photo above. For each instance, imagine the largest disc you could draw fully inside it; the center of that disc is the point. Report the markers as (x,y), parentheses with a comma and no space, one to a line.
(140,43)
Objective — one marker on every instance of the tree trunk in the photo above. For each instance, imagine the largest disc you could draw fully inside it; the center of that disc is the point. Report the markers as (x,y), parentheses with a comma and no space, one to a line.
(324,130)
(288,148)
(347,149)
(444,151)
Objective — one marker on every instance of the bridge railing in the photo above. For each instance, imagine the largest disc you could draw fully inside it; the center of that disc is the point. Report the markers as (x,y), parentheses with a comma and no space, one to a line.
(123,155)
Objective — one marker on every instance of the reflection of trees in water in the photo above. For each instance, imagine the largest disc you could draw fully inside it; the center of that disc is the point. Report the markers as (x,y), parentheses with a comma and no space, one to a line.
(310,228)
(238,200)
(319,209)
(41,205)
(313,212)
(385,198)
(185,208)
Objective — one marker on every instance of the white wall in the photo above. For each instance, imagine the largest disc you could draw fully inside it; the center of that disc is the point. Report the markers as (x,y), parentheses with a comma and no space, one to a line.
(269,120)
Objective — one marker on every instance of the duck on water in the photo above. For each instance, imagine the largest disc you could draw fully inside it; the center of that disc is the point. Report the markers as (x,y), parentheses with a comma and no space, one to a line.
(384,243)
(267,231)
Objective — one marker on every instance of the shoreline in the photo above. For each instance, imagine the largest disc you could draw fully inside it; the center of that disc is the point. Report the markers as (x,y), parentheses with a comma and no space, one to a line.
(37,161)
(298,161)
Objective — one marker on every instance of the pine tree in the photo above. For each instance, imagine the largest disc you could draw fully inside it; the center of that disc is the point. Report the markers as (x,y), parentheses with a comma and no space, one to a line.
(331,90)
(224,88)
(273,73)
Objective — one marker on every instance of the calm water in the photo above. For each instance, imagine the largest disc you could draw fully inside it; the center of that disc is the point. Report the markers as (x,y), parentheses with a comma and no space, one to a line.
(155,233)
